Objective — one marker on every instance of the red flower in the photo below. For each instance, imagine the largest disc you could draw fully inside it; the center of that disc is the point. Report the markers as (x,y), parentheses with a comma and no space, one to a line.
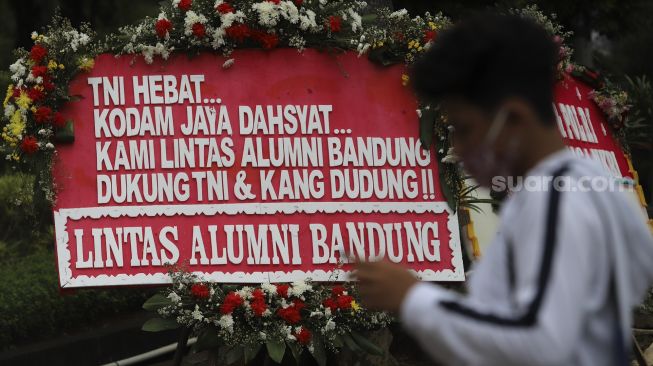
(299,3)
(258,302)
(337,291)
(199,30)
(231,302)
(277,2)
(39,71)
(43,114)
(185,4)
(267,40)
(238,32)
(299,304)
(335,23)
(225,8)
(282,290)
(344,301)
(29,145)
(35,94)
(162,27)
(303,336)
(331,304)
(199,290)
(16,92)
(47,83)
(37,53)
(290,314)
(399,36)
(59,121)
(429,35)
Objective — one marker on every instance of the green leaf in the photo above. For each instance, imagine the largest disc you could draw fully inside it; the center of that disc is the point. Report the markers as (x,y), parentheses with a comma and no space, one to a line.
(426,126)
(159,324)
(318,352)
(383,56)
(366,345)
(445,187)
(234,355)
(156,302)
(251,350)
(65,135)
(351,344)
(296,350)
(338,341)
(207,339)
(276,350)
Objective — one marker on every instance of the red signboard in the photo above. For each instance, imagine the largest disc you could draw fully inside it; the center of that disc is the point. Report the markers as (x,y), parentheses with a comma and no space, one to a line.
(275,169)
(585,129)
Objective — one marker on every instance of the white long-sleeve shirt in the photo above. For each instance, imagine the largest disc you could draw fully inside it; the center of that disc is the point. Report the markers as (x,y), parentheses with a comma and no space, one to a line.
(542,293)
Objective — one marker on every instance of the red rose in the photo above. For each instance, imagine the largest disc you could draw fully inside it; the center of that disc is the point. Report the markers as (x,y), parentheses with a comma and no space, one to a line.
(29,145)
(303,336)
(58,120)
(199,30)
(231,302)
(225,8)
(43,114)
(429,35)
(37,53)
(35,94)
(258,304)
(275,1)
(238,32)
(185,4)
(39,71)
(282,290)
(299,3)
(162,27)
(335,23)
(344,301)
(199,290)
(337,290)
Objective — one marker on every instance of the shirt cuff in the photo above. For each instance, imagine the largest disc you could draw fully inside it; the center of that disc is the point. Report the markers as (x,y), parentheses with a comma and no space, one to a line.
(420,301)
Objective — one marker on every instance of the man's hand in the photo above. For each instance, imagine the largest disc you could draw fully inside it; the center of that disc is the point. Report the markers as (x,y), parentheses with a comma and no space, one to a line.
(383,285)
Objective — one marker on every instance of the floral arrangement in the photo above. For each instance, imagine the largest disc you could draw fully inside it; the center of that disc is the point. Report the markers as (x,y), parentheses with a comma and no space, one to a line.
(298,317)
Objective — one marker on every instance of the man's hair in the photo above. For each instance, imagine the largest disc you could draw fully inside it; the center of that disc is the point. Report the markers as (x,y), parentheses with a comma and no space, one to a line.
(489,58)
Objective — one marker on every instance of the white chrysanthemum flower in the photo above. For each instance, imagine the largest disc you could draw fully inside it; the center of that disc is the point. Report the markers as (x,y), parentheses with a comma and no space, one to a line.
(307,21)
(226,20)
(197,314)
(17,69)
(356,20)
(175,3)
(174,297)
(227,322)
(245,292)
(218,38)
(268,13)
(297,42)
(262,336)
(49,146)
(330,325)
(399,14)
(191,19)
(9,110)
(271,289)
(289,11)
(289,333)
(298,288)
(227,64)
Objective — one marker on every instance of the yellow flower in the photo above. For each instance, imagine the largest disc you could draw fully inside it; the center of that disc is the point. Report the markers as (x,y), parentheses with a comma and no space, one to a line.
(10,93)
(23,101)
(405,79)
(15,157)
(86,64)
(16,124)
(355,306)
(61,67)
(52,65)
(432,26)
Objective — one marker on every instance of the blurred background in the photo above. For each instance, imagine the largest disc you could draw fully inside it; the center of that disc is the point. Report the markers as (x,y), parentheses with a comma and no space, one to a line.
(614,37)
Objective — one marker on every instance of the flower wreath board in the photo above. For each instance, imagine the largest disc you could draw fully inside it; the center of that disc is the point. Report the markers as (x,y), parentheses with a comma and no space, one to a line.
(257,146)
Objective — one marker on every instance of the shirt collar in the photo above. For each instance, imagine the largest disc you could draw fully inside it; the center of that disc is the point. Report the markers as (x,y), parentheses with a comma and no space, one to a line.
(549,163)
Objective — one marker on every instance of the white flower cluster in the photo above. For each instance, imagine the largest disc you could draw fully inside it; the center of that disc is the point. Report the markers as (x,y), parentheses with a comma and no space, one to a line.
(76,39)
(191,19)
(149,52)
(298,288)
(17,69)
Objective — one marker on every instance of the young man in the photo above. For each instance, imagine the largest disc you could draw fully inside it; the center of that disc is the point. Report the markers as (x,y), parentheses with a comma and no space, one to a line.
(558,283)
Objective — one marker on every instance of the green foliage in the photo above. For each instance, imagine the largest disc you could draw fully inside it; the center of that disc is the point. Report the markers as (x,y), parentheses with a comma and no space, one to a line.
(639,124)
(32,306)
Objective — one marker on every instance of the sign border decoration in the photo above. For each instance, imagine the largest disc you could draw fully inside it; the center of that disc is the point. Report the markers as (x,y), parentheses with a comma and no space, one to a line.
(239,320)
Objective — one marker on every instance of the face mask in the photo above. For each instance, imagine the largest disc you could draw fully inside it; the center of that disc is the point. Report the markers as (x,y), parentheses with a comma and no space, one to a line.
(482,162)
